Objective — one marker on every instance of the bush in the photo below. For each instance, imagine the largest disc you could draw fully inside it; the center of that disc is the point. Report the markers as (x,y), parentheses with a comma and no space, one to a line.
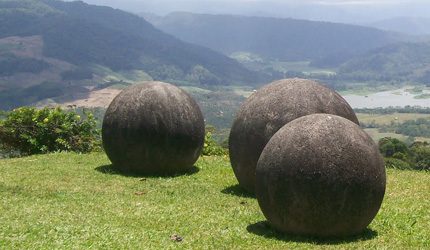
(397,164)
(399,156)
(34,131)
(210,146)
(389,146)
(421,156)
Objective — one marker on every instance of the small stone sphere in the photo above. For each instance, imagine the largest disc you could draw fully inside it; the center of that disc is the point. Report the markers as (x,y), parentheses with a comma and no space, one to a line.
(320,175)
(153,128)
(268,110)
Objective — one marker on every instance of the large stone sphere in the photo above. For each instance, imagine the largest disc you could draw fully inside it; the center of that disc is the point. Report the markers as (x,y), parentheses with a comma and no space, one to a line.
(153,128)
(320,175)
(268,110)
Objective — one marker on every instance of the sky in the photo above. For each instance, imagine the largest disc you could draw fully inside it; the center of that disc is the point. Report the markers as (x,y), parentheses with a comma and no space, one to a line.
(348,11)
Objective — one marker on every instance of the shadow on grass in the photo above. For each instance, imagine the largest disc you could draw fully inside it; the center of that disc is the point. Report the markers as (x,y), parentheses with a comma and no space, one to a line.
(237,191)
(112,170)
(263,228)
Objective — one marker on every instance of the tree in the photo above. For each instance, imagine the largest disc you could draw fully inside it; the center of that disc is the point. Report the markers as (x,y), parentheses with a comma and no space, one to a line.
(390,146)
(421,156)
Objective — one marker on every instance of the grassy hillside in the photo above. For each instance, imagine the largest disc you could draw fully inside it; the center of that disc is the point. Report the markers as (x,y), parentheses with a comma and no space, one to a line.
(282,39)
(77,201)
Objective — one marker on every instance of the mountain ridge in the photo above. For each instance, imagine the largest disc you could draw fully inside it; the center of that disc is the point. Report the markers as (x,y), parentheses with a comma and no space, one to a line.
(279,38)
(404,24)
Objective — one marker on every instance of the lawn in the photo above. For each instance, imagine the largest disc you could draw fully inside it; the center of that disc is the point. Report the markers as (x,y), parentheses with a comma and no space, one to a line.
(78,201)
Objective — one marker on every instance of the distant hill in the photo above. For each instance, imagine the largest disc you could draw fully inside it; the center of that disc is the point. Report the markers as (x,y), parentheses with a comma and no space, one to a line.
(407,25)
(56,44)
(275,38)
(398,63)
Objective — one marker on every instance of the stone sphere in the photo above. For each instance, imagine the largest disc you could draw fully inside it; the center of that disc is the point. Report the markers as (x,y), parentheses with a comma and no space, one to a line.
(320,175)
(153,128)
(268,110)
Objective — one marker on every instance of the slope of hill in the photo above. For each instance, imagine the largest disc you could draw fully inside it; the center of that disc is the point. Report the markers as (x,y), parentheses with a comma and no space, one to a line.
(83,39)
(282,39)
(397,62)
(407,25)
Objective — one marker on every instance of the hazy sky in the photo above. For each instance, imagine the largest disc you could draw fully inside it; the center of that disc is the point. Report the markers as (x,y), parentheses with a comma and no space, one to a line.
(351,11)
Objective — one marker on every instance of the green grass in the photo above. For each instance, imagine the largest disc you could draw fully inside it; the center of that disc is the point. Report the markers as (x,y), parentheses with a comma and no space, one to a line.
(75,201)
(386,119)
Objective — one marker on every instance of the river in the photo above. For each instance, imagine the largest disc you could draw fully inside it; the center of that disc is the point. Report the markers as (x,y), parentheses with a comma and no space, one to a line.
(394,98)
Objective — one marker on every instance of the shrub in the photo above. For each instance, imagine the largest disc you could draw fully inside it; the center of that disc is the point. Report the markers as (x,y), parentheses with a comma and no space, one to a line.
(390,146)
(421,156)
(397,164)
(400,156)
(210,146)
(34,131)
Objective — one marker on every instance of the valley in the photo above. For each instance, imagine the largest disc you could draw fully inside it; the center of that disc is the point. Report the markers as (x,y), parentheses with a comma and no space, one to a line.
(46,64)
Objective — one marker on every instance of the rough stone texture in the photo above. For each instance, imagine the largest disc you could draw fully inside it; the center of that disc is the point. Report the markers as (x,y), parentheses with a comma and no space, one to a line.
(320,175)
(153,128)
(266,111)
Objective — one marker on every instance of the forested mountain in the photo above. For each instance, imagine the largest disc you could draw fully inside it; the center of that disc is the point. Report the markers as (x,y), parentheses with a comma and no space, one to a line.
(275,38)
(82,38)
(407,25)
(400,62)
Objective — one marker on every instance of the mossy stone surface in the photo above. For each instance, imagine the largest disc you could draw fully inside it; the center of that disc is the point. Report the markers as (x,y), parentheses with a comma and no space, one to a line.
(269,109)
(153,128)
(320,175)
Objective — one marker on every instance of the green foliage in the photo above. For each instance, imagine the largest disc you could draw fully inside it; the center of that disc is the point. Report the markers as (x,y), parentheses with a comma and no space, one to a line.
(219,105)
(200,74)
(421,155)
(392,146)
(398,155)
(397,164)
(84,34)
(415,128)
(34,131)
(395,62)
(210,146)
